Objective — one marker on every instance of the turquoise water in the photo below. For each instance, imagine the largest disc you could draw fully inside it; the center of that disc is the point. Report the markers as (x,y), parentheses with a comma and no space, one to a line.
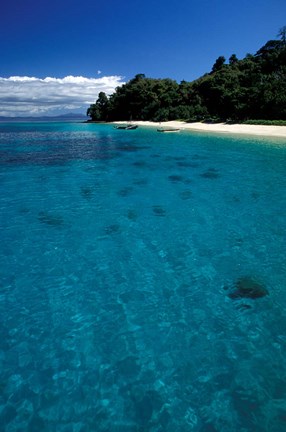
(122,255)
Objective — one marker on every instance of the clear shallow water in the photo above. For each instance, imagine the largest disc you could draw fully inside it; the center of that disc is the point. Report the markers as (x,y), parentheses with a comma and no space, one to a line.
(116,249)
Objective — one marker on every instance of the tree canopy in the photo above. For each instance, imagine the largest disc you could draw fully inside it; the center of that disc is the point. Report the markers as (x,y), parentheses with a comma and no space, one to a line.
(251,88)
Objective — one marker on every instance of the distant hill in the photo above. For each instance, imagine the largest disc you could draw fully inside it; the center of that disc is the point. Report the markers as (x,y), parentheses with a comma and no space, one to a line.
(63,117)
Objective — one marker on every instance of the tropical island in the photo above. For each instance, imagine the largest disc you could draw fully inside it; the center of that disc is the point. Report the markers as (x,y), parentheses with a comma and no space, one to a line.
(251,90)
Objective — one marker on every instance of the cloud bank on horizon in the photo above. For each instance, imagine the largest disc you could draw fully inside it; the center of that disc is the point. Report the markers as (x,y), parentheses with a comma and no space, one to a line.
(31,96)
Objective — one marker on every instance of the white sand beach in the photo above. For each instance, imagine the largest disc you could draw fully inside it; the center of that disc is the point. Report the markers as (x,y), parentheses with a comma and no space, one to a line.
(270,131)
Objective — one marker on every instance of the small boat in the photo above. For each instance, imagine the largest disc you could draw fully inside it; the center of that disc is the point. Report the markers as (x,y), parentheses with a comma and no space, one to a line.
(168,130)
(129,127)
(126,127)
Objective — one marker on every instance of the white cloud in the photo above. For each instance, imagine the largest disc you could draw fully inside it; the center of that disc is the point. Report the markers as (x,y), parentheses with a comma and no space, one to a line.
(25,96)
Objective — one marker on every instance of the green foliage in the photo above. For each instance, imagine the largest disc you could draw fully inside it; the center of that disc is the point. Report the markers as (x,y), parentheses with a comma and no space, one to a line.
(218,64)
(282,34)
(99,110)
(250,88)
(233,59)
(266,122)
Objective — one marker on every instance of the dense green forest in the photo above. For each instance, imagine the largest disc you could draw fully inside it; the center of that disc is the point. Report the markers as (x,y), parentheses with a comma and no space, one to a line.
(237,90)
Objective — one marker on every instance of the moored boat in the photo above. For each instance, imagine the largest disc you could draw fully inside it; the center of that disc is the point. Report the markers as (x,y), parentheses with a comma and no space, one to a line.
(126,127)
(168,130)
(129,127)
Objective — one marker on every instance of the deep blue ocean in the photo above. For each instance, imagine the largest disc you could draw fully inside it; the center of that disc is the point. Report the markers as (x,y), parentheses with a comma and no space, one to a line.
(143,280)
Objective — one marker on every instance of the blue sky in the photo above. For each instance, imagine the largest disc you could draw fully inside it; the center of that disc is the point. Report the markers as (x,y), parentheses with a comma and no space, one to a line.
(101,39)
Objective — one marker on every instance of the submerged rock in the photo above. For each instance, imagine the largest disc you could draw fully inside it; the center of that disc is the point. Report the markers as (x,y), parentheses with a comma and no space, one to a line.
(140,182)
(143,410)
(140,164)
(185,195)
(159,211)
(126,191)
(128,367)
(243,307)
(50,219)
(87,191)
(247,287)
(132,215)
(188,164)
(175,178)
(211,173)
(112,229)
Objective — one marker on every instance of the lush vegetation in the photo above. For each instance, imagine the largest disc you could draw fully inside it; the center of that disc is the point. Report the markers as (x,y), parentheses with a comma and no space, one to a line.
(266,122)
(240,90)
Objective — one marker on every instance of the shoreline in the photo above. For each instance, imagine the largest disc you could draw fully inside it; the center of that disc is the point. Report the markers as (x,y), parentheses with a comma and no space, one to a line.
(239,129)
